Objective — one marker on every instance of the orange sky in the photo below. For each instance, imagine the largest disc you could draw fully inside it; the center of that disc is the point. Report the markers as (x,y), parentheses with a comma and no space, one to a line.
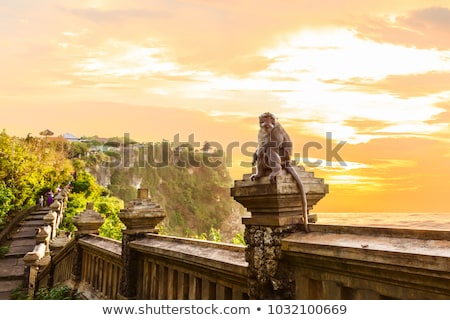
(374,74)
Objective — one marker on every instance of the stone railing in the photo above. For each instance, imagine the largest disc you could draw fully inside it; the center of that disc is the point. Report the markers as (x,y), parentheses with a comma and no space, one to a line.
(59,268)
(145,265)
(280,261)
(90,264)
(100,267)
(334,262)
(47,241)
(177,268)
(346,262)
(166,268)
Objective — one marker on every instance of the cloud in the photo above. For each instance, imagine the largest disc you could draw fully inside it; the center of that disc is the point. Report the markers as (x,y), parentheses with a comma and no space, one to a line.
(223,38)
(119,16)
(365,126)
(443,117)
(435,16)
(220,36)
(425,28)
(160,67)
(402,86)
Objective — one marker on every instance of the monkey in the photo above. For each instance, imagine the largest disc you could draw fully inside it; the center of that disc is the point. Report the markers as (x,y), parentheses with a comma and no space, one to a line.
(273,154)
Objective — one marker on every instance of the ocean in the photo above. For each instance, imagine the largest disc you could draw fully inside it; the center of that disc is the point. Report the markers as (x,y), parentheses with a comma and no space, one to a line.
(419,220)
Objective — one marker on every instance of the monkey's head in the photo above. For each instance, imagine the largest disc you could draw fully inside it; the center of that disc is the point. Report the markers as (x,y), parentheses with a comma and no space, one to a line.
(267,121)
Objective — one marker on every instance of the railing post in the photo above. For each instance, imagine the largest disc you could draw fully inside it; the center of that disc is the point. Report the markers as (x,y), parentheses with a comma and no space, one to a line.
(43,236)
(61,200)
(50,220)
(87,222)
(275,213)
(57,207)
(140,217)
(33,261)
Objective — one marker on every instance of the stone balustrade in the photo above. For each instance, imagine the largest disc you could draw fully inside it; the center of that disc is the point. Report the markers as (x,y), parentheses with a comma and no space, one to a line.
(280,260)
(39,257)
(348,262)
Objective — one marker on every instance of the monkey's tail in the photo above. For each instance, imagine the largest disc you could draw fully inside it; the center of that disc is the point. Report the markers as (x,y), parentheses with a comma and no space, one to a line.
(291,170)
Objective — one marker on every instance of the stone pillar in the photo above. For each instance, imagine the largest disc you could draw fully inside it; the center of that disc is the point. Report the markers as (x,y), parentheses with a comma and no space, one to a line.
(33,260)
(59,242)
(43,236)
(65,194)
(50,220)
(87,222)
(62,206)
(57,207)
(140,217)
(275,213)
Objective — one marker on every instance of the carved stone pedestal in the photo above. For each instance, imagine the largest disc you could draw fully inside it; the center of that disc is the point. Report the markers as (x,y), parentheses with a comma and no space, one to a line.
(278,204)
(275,213)
(87,222)
(140,217)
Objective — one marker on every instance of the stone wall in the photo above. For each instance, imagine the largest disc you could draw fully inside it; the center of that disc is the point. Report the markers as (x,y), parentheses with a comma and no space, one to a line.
(282,259)
(342,262)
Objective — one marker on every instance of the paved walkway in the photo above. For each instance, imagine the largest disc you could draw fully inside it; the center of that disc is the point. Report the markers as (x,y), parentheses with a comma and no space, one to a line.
(22,241)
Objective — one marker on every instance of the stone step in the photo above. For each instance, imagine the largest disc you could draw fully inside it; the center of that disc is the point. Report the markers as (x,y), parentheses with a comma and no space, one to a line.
(7,287)
(24,232)
(35,217)
(11,269)
(40,211)
(20,247)
(32,223)
(21,241)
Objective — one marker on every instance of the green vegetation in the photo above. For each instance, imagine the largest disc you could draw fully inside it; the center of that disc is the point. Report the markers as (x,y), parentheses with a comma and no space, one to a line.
(19,293)
(195,196)
(6,199)
(3,250)
(238,239)
(30,167)
(86,189)
(57,293)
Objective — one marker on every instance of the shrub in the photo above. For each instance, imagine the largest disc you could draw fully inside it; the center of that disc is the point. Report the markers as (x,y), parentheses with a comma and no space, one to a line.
(57,293)
(3,250)
(18,293)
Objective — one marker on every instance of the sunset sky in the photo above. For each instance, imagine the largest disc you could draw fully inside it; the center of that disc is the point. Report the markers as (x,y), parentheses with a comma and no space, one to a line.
(374,75)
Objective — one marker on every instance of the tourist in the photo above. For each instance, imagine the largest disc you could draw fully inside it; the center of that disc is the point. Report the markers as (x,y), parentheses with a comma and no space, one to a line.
(49,198)
(41,201)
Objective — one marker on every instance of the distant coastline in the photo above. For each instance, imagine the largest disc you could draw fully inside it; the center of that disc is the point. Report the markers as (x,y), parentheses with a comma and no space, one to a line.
(415,220)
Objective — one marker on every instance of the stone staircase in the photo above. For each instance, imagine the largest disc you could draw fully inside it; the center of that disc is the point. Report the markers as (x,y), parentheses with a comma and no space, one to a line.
(22,241)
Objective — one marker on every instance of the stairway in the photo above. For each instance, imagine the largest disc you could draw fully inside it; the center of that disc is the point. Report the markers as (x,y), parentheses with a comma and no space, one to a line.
(20,243)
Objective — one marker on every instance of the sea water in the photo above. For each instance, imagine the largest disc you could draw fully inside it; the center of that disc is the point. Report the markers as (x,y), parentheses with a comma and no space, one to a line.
(417,220)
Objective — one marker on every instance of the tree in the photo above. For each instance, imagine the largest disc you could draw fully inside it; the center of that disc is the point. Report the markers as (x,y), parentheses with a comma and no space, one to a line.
(6,199)
(29,167)
(77,150)
(46,133)
(206,146)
